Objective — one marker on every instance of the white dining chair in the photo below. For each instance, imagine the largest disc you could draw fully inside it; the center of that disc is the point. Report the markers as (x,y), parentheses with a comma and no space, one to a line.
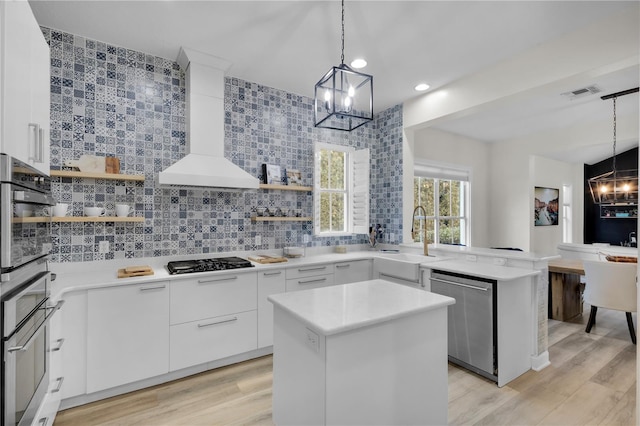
(611,285)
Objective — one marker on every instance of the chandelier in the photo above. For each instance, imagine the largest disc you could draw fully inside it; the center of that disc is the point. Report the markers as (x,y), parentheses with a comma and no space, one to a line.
(343,98)
(615,186)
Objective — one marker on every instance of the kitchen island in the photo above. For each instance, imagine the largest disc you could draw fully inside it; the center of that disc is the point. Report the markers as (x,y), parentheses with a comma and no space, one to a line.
(371,352)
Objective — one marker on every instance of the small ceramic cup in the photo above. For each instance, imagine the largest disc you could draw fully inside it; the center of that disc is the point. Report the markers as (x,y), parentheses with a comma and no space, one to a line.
(123,210)
(58,210)
(93,211)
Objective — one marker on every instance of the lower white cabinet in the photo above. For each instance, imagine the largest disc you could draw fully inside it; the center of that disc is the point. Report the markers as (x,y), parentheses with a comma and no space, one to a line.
(353,271)
(269,282)
(210,339)
(308,277)
(47,411)
(74,354)
(128,334)
(212,317)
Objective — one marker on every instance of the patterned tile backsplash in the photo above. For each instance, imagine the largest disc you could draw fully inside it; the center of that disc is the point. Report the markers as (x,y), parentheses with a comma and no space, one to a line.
(109,100)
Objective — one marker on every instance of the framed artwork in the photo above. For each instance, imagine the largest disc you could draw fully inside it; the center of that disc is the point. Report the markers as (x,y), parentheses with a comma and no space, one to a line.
(271,174)
(546,203)
(294,177)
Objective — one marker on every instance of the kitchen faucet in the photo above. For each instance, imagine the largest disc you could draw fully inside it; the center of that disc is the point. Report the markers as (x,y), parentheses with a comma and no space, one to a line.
(414,233)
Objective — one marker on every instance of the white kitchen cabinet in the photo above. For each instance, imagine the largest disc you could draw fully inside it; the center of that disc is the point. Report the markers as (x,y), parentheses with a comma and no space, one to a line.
(308,277)
(24,86)
(74,354)
(212,317)
(47,412)
(269,282)
(353,271)
(212,296)
(128,334)
(210,339)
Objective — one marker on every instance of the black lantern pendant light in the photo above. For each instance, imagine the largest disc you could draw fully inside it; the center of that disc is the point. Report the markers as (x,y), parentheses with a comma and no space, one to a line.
(616,187)
(343,97)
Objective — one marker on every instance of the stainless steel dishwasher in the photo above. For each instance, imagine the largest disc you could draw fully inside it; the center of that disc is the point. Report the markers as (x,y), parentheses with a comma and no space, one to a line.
(472,330)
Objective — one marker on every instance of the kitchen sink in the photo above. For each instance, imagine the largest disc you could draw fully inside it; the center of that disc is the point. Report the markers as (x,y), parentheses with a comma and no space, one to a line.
(403,266)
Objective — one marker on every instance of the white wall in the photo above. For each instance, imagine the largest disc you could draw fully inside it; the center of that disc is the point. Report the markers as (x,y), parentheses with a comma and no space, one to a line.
(549,174)
(448,149)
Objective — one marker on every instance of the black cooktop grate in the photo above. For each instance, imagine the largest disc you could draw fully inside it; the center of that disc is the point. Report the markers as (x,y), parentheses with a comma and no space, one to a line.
(207,265)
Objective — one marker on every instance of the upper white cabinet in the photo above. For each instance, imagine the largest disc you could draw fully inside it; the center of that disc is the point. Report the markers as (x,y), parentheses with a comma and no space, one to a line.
(128,334)
(24,86)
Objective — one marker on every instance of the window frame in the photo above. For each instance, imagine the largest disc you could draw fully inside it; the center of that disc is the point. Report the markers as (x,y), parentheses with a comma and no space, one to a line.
(439,172)
(352,225)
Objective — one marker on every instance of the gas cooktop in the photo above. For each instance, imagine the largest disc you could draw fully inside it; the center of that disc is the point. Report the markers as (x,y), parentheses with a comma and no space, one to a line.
(206,265)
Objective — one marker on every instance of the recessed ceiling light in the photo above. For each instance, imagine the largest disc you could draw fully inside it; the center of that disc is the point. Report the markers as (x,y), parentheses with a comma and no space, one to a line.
(421,87)
(358,63)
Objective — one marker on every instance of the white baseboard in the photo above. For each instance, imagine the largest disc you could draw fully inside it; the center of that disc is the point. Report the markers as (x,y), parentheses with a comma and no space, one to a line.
(540,362)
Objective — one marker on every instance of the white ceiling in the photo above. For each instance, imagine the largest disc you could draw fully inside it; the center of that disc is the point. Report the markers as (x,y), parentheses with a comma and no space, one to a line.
(289,45)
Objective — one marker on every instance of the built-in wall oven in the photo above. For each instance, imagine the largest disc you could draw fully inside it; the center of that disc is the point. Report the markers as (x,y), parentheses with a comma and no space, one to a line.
(25,243)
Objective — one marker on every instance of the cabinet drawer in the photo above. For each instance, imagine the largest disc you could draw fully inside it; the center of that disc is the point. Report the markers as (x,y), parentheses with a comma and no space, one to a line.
(309,271)
(210,339)
(310,282)
(212,296)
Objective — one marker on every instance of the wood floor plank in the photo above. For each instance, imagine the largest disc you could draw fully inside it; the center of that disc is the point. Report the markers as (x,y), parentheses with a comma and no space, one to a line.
(591,380)
(589,405)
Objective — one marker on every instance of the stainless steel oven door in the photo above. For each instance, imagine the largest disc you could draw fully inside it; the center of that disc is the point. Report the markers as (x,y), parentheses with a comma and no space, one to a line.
(25,375)
(25,234)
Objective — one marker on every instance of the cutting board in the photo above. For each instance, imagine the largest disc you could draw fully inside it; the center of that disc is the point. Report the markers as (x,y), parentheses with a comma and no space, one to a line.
(112,165)
(88,163)
(267,259)
(134,271)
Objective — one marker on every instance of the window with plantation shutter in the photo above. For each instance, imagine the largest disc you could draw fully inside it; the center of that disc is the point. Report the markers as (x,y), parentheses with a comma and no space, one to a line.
(341,190)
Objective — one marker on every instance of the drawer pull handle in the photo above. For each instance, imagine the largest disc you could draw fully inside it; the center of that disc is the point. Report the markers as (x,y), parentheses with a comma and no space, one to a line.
(60,343)
(268,274)
(343,265)
(317,268)
(158,287)
(59,380)
(218,322)
(43,421)
(317,280)
(217,280)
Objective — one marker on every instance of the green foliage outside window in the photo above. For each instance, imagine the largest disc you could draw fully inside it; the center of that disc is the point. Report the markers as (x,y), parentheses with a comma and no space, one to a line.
(333,190)
(446,197)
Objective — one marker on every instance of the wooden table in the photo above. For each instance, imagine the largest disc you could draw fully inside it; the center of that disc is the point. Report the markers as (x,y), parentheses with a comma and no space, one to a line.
(565,288)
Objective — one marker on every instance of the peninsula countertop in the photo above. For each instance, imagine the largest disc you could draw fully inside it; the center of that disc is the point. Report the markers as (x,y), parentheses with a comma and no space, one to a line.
(340,308)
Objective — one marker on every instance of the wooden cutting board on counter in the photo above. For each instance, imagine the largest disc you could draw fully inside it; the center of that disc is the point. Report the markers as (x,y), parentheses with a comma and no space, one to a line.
(262,258)
(134,271)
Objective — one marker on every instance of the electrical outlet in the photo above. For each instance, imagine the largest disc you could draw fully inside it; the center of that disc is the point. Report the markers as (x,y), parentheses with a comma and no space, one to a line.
(392,236)
(500,261)
(306,238)
(258,240)
(103,246)
(471,258)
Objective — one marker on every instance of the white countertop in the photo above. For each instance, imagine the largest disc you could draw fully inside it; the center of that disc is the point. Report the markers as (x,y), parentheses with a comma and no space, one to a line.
(483,270)
(483,251)
(336,309)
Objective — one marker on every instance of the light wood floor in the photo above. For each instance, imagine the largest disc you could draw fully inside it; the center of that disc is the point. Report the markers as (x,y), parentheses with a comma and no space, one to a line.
(592,380)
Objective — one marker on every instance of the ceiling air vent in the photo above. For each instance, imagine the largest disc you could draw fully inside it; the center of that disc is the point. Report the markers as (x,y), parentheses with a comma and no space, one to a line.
(582,92)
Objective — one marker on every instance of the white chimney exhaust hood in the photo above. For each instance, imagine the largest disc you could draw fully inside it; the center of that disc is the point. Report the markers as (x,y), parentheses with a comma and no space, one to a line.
(204,164)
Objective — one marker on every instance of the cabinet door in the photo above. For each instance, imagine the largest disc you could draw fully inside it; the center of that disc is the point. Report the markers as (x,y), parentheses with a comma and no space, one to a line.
(17,137)
(128,334)
(40,97)
(212,295)
(269,282)
(310,282)
(209,339)
(354,271)
(74,353)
